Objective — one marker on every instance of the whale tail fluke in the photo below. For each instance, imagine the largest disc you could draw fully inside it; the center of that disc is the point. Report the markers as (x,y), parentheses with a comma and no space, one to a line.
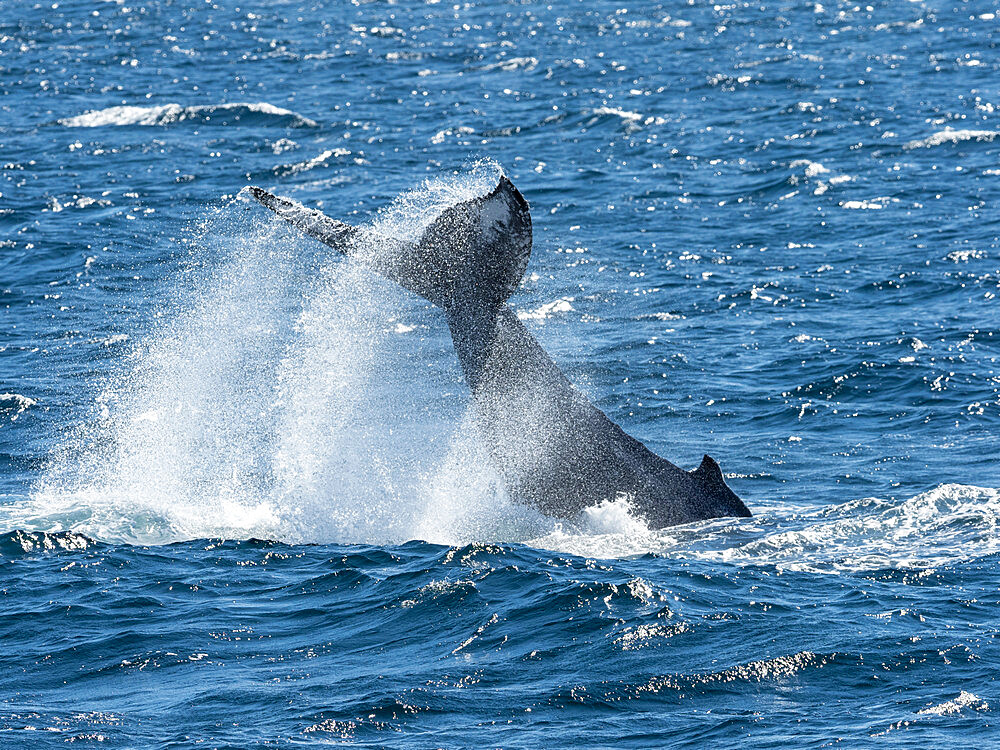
(477,250)
(474,252)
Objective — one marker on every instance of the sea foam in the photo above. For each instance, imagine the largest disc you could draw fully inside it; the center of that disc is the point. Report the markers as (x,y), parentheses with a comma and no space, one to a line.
(945,525)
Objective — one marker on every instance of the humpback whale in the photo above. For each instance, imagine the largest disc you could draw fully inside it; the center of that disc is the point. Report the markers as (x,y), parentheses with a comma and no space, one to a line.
(553,449)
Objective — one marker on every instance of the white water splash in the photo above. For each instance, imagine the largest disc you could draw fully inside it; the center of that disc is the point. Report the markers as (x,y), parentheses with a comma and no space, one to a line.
(274,400)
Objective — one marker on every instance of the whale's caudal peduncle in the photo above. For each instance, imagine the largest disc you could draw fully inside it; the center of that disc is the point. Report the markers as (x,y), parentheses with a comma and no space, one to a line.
(552,447)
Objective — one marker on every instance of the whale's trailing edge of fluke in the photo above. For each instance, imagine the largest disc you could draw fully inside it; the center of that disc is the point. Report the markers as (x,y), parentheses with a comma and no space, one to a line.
(552,447)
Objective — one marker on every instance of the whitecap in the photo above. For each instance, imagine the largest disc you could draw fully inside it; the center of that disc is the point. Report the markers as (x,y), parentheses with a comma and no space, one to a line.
(812,168)
(320,160)
(15,404)
(513,63)
(168,114)
(442,135)
(561,305)
(628,116)
(950,135)
(862,205)
(965,699)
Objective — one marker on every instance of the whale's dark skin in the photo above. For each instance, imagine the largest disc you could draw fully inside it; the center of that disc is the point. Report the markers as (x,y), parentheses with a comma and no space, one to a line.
(553,449)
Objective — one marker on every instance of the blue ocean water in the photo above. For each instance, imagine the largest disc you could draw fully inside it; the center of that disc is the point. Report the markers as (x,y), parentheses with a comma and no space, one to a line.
(763,231)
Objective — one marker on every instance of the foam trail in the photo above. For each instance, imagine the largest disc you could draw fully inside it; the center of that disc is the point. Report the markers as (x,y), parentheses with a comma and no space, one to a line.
(947,524)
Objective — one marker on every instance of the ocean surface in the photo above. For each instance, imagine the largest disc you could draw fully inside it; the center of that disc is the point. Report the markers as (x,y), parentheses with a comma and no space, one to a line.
(242,499)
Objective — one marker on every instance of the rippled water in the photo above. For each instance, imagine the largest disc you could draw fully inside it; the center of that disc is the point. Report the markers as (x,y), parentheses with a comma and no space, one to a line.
(764,232)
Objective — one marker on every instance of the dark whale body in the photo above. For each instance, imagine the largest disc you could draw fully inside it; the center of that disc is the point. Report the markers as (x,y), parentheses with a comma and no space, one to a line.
(553,449)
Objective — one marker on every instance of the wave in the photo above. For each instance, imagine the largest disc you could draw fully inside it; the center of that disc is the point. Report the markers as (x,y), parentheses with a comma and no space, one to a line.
(15,404)
(964,700)
(260,113)
(950,135)
(19,542)
(611,693)
(876,204)
(459,503)
(457,132)
(814,169)
(511,64)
